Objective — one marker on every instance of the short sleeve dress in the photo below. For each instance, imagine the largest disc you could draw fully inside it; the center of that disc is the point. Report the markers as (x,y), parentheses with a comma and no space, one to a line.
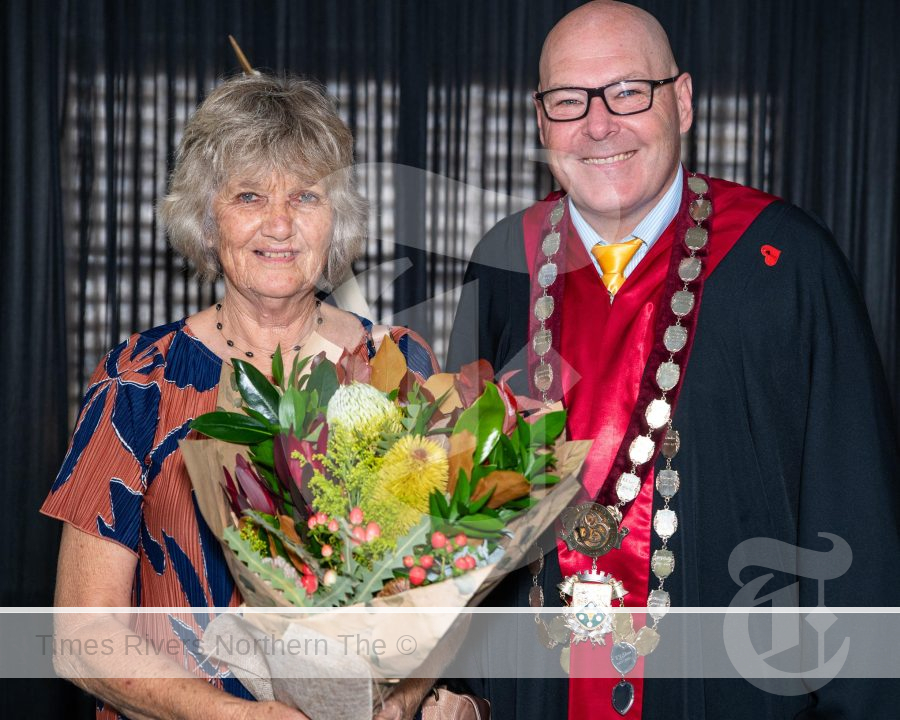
(124,478)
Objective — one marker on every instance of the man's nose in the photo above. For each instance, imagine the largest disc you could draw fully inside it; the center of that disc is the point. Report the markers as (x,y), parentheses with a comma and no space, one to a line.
(599,121)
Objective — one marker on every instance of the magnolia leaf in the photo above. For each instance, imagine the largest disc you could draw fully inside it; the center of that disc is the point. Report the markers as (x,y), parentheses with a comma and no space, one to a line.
(231,427)
(471,379)
(323,382)
(506,485)
(484,419)
(288,528)
(462,445)
(371,581)
(570,456)
(353,368)
(441,383)
(388,366)
(258,393)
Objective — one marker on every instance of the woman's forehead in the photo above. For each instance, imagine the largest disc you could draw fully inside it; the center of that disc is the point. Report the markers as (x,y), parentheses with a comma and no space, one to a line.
(267,176)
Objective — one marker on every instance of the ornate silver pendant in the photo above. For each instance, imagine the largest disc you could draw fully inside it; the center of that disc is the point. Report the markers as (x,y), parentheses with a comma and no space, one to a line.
(592,529)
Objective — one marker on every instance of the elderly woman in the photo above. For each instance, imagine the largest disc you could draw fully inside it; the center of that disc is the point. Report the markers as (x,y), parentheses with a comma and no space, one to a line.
(262,194)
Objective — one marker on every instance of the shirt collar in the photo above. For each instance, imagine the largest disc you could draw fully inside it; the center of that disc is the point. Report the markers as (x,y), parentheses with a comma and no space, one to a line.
(649,229)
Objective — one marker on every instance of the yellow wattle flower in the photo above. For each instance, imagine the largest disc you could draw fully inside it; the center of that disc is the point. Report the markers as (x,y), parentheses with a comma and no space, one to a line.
(413,468)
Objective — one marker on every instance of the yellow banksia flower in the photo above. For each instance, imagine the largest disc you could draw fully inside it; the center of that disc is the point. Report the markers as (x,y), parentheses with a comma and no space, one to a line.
(413,468)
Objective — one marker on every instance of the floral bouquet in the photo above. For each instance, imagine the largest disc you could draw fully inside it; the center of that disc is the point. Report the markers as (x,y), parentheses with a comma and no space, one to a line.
(350,483)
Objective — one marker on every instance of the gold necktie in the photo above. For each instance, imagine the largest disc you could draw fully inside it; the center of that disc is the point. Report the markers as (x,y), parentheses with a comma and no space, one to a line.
(613,260)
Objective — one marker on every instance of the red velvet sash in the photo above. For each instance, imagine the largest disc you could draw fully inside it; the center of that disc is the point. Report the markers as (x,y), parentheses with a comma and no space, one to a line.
(604,351)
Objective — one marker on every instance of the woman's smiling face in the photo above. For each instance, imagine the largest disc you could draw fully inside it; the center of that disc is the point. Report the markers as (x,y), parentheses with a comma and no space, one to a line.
(274,232)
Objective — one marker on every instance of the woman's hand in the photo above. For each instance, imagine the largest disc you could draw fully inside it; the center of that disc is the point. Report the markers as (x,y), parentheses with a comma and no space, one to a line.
(144,685)
(403,702)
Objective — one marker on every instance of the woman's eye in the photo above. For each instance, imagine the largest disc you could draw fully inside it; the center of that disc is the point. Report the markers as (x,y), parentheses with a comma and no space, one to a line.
(306,197)
(247,197)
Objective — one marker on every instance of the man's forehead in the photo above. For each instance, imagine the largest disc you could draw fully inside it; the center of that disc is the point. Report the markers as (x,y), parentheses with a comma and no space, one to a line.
(594,67)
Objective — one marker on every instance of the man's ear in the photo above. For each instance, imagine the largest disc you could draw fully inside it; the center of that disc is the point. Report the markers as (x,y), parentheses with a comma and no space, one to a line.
(684,95)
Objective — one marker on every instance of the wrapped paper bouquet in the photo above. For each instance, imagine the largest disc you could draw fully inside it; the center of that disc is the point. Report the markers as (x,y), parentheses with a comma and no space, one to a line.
(349,483)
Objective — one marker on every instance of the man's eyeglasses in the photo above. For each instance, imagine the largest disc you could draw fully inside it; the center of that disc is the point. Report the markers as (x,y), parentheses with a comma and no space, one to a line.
(627,97)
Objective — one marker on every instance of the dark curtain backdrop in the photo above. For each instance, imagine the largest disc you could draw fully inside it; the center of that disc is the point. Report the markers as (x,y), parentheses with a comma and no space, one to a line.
(812,87)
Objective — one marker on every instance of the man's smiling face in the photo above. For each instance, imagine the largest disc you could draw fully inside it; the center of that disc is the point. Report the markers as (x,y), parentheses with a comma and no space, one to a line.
(615,168)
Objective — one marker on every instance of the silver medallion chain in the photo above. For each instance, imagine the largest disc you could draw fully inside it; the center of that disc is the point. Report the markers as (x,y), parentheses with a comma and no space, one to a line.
(628,645)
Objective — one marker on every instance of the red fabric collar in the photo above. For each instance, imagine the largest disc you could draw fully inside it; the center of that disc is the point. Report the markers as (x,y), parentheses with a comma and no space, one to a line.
(604,352)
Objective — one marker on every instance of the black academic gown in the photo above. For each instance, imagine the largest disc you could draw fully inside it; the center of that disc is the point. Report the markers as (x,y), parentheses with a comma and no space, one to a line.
(786,433)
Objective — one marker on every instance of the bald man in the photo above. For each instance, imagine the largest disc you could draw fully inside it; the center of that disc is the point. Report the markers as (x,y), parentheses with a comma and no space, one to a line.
(709,339)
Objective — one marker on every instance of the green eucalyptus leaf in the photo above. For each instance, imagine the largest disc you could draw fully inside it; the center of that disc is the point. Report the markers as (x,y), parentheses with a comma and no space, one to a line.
(545,479)
(287,410)
(482,523)
(264,453)
(278,367)
(262,418)
(539,465)
(258,393)
(523,432)
(484,419)
(443,508)
(476,507)
(547,428)
(232,427)
(504,455)
(312,402)
(296,368)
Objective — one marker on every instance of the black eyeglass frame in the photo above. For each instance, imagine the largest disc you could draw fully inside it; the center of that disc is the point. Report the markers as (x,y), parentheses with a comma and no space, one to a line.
(601,93)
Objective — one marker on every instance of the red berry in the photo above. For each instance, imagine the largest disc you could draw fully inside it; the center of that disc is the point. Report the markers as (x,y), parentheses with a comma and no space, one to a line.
(321,518)
(409,561)
(356,515)
(461,563)
(327,551)
(333,525)
(472,562)
(438,540)
(461,539)
(416,575)
(309,583)
(426,561)
(359,534)
(373,530)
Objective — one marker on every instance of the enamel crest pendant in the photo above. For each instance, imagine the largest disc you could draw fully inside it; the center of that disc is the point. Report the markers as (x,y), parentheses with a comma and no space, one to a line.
(590,596)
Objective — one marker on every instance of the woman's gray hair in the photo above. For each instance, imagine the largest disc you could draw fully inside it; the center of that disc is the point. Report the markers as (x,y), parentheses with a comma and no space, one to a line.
(262,123)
